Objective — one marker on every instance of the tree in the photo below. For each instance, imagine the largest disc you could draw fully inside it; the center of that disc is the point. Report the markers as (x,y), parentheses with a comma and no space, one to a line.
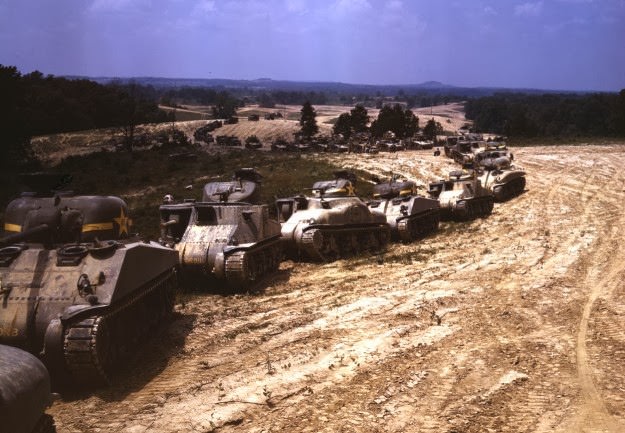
(225,106)
(308,120)
(359,118)
(403,123)
(431,129)
(343,125)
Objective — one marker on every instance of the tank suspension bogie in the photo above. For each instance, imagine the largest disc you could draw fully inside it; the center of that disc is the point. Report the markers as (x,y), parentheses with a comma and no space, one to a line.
(506,191)
(329,243)
(417,226)
(95,347)
(245,267)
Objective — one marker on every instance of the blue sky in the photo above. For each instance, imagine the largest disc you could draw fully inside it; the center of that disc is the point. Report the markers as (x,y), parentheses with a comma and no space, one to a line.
(549,44)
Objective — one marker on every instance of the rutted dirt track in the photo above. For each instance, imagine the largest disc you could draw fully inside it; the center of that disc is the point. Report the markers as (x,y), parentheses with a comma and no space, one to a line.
(508,324)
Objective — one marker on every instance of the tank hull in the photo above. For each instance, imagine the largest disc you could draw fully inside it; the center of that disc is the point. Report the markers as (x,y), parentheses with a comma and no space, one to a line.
(505,184)
(319,242)
(409,218)
(84,308)
(224,244)
(336,227)
(468,209)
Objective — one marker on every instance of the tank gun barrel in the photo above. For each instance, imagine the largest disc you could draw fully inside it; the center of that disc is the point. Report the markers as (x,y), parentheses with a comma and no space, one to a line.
(25,235)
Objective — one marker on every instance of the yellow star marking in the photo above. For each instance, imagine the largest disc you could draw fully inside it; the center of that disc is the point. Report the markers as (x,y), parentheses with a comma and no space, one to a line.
(123,222)
(350,189)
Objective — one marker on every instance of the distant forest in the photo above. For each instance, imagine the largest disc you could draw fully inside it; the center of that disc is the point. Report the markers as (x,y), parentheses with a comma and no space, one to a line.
(36,104)
(549,115)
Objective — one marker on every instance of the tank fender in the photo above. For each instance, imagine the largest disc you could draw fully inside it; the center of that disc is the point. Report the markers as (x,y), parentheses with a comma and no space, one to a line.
(219,267)
(74,311)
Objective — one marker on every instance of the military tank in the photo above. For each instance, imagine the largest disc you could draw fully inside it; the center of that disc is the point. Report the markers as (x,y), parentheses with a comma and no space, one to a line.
(77,288)
(409,214)
(24,393)
(462,196)
(332,223)
(226,237)
(499,176)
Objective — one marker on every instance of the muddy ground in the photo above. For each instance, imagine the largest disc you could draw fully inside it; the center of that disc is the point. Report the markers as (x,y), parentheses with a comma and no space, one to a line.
(508,324)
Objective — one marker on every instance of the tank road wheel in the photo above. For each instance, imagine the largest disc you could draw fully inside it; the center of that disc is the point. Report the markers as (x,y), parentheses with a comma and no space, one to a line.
(313,242)
(355,244)
(251,267)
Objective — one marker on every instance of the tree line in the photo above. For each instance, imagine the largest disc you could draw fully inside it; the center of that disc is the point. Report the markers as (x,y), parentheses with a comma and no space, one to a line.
(34,104)
(549,115)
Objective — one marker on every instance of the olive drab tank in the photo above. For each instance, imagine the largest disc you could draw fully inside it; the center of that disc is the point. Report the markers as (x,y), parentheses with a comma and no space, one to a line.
(76,288)
(499,176)
(24,393)
(226,237)
(462,196)
(409,215)
(332,223)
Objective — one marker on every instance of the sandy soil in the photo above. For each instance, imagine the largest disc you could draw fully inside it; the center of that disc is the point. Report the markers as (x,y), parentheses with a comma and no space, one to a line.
(507,324)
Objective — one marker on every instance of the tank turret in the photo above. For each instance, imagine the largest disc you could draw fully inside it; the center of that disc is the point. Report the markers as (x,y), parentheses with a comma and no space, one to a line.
(24,393)
(409,214)
(332,223)
(227,237)
(78,288)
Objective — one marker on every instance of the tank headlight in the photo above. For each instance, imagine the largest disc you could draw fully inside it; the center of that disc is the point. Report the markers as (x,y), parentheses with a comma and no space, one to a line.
(312,221)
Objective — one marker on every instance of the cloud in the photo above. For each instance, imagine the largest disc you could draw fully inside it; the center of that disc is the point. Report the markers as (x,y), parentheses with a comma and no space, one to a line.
(489,11)
(529,9)
(205,6)
(395,5)
(296,6)
(110,5)
(351,6)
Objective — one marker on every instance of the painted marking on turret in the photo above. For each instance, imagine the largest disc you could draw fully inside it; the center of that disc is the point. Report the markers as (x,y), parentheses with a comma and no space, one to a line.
(96,226)
(8,227)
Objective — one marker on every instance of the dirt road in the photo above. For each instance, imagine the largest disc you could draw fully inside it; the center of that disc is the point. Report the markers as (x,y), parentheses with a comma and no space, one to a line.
(508,324)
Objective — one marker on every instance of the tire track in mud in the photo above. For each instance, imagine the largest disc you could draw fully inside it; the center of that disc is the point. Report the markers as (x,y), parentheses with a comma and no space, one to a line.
(473,334)
(602,279)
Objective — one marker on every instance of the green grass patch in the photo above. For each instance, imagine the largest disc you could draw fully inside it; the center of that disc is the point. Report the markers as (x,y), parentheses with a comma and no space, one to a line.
(142,178)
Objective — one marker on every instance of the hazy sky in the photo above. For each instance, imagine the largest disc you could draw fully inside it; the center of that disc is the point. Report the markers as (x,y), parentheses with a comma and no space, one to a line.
(551,44)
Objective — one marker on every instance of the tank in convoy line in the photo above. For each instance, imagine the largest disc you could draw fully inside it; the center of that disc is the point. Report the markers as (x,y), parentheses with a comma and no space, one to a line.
(331,223)
(78,289)
(462,196)
(499,175)
(409,214)
(225,238)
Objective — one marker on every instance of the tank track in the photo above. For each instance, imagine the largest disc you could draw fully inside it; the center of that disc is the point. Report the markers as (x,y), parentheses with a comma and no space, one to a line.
(45,425)
(95,346)
(510,189)
(325,244)
(416,226)
(244,267)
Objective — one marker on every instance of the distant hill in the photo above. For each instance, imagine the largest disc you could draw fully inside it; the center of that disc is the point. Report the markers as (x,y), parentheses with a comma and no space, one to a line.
(267,84)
